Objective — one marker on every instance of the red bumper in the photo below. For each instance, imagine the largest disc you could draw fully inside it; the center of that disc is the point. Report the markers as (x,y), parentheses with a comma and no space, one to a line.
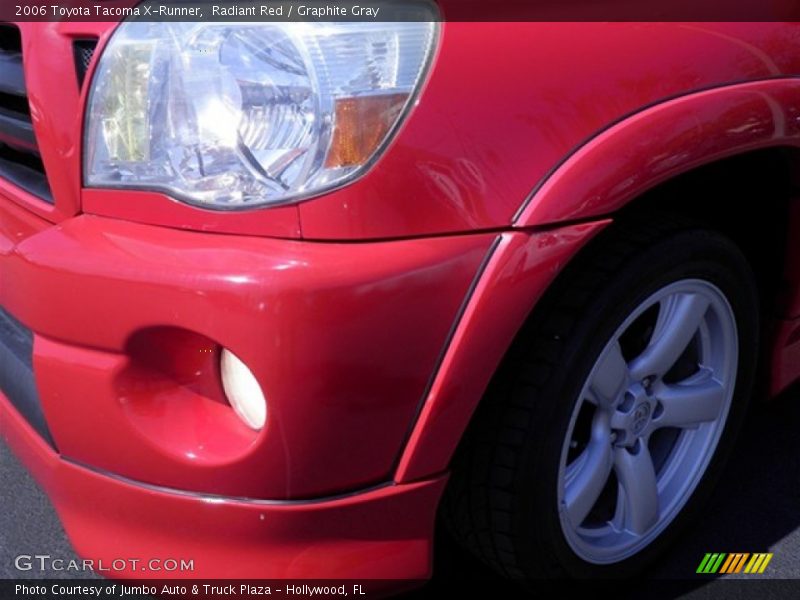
(121,325)
(380,534)
(127,321)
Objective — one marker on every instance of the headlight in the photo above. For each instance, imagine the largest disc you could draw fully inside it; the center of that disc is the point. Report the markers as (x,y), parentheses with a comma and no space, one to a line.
(236,115)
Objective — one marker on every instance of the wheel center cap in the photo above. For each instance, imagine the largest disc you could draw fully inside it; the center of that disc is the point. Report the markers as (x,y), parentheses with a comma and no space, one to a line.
(640,418)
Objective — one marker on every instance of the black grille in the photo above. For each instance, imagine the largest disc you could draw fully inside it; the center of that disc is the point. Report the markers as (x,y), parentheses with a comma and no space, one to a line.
(84,51)
(20,162)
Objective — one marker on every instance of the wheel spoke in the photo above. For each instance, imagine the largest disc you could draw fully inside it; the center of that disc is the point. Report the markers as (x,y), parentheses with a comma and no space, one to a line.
(584,487)
(679,318)
(611,375)
(661,388)
(637,477)
(687,405)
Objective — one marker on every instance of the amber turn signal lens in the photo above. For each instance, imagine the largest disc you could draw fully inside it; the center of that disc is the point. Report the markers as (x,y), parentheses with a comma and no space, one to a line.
(361,125)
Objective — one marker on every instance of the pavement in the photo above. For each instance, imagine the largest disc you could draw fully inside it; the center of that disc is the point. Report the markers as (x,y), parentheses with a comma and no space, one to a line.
(756,508)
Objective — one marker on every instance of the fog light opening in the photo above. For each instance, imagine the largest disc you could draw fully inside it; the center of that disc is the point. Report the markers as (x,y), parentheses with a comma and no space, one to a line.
(243,391)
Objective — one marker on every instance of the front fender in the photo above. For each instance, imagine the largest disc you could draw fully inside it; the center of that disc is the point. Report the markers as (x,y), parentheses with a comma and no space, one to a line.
(661,142)
(520,269)
(594,182)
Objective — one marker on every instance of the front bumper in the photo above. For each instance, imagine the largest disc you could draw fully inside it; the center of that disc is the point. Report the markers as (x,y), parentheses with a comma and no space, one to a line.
(122,324)
(127,321)
(380,534)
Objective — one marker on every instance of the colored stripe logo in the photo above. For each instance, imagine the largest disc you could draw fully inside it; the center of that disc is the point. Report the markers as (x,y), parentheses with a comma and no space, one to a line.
(737,562)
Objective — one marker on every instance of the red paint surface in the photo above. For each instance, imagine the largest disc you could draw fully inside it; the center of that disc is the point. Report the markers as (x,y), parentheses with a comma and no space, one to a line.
(342,337)
(344,305)
(380,534)
(518,274)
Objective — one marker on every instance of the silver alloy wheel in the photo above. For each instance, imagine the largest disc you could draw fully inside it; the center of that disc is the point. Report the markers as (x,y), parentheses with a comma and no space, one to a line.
(648,421)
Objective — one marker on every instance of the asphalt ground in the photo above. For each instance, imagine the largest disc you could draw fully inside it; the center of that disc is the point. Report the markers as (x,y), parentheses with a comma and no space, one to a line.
(756,508)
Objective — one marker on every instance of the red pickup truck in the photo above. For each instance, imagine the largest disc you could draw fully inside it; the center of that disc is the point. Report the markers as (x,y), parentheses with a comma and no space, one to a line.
(274,297)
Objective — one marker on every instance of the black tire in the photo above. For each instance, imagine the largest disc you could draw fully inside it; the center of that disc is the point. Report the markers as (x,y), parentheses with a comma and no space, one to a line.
(501,502)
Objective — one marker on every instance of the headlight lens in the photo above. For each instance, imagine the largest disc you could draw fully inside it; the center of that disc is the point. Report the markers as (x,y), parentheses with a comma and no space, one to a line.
(236,115)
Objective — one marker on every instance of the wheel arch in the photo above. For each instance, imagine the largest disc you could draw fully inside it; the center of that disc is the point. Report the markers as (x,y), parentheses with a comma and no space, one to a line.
(731,140)
(623,162)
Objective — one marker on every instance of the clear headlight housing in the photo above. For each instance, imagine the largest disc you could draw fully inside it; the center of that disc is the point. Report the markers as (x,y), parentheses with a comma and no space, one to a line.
(238,115)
